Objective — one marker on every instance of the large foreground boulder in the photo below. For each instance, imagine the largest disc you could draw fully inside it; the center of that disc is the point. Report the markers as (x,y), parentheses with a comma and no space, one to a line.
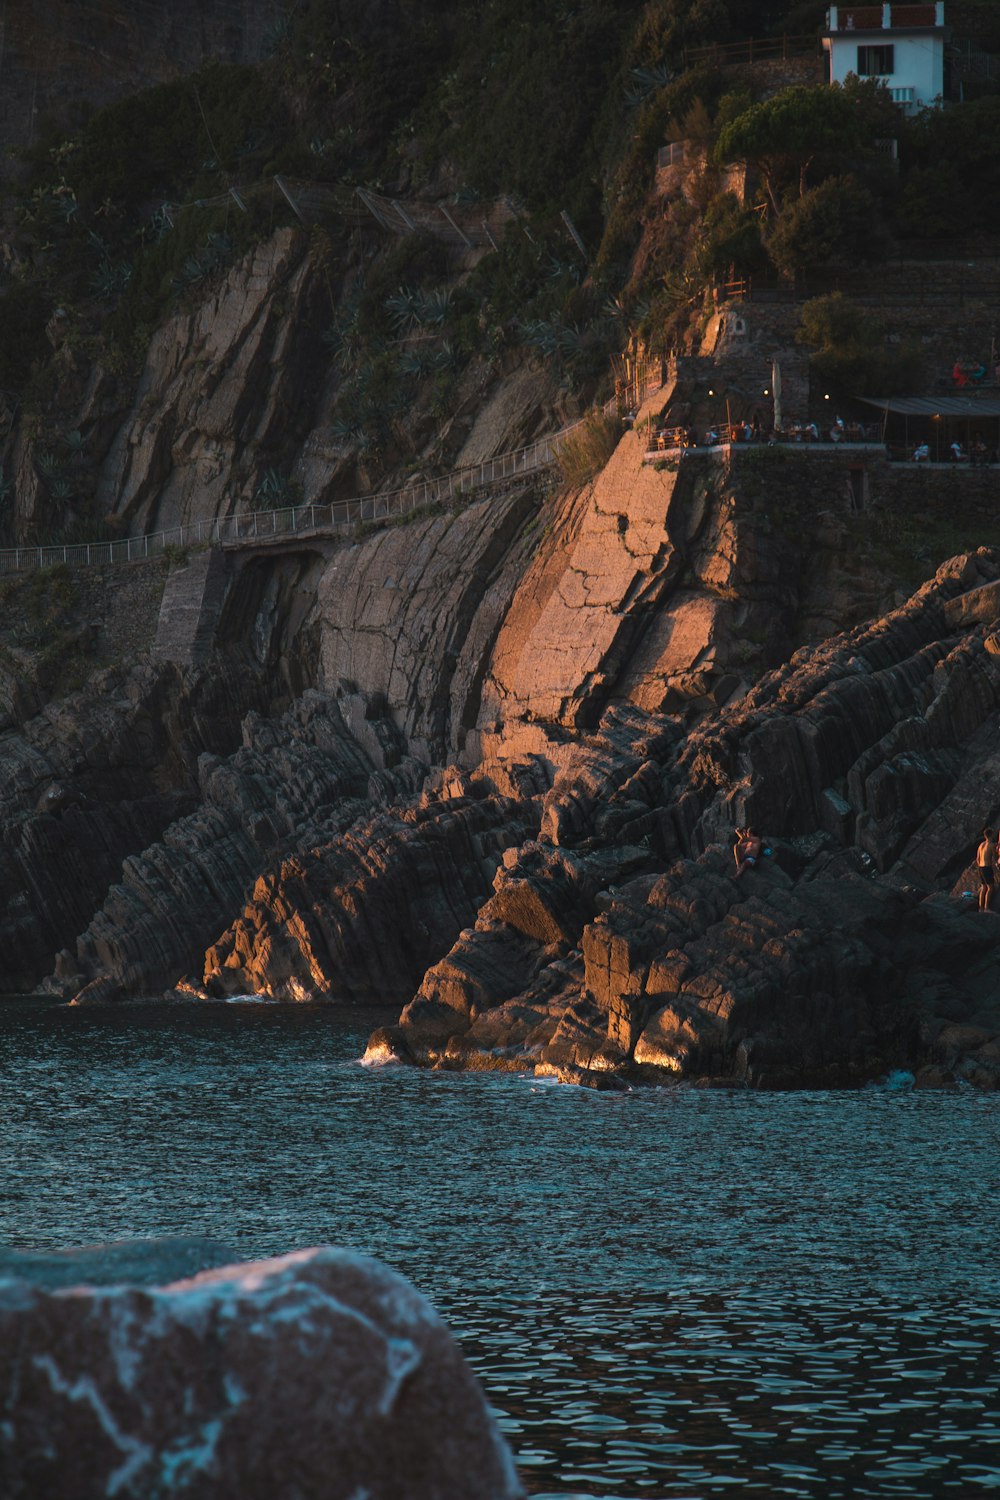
(319,1374)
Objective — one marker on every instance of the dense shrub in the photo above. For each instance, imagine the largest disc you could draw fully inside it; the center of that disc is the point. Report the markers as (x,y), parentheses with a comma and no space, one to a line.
(835,224)
(585,451)
(730,239)
(148,145)
(952,170)
(24,312)
(850,352)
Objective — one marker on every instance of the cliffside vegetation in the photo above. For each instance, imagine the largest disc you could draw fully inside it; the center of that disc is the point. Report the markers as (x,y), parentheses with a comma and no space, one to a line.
(557,109)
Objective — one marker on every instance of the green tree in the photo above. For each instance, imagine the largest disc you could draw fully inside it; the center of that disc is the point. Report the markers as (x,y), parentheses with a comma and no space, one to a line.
(835,224)
(849,351)
(784,135)
(730,237)
(952,170)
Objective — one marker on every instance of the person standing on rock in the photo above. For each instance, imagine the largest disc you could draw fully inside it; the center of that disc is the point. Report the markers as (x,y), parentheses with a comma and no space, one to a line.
(986,862)
(747,851)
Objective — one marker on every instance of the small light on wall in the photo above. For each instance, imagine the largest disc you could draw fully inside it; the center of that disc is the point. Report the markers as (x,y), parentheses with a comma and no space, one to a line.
(826,395)
(711,392)
(767,390)
(936,417)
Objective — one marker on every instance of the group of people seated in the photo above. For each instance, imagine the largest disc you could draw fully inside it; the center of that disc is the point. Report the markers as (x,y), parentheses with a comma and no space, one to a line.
(968,372)
(753,431)
(978,454)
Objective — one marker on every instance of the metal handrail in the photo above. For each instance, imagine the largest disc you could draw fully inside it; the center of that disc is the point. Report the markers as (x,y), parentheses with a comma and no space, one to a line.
(332,515)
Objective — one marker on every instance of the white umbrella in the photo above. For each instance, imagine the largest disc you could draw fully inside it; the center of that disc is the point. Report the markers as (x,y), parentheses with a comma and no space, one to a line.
(776,392)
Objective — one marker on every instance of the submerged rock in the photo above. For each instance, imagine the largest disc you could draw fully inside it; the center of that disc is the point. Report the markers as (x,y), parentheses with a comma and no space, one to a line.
(321,1374)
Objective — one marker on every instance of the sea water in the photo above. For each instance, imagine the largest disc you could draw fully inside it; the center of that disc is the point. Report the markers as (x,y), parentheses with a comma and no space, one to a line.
(670,1292)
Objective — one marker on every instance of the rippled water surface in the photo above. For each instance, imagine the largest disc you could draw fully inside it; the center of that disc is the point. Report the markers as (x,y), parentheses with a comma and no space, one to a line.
(666,1293)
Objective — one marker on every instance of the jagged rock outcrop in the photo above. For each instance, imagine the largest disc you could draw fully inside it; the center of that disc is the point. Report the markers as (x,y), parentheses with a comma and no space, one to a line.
(868,763)
(93,779)
(668,584)
(298,777)
(361,918)
(321,1373)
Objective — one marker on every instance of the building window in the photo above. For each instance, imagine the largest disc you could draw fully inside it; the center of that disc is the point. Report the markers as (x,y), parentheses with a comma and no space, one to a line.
(875,61)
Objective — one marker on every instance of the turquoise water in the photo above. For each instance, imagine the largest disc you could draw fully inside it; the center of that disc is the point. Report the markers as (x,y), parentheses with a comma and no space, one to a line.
(666,1293)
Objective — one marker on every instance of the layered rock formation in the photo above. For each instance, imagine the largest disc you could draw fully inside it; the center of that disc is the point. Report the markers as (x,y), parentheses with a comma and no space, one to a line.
(221,386)
(322,1373)
(590,924)
(97,777)
(868,764)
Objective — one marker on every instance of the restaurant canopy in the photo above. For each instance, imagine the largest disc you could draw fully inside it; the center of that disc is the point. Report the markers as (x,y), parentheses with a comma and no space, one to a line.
(936,406)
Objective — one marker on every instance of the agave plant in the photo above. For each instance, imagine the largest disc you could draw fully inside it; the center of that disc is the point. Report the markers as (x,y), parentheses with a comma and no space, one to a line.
(160,222)
(274,489)
(190,273)
(109,280)
(403,308)
(47,463)
(417,361)
(646,82)
(434,307)
(445,356)
(572,341)
(274,36)
(541,335)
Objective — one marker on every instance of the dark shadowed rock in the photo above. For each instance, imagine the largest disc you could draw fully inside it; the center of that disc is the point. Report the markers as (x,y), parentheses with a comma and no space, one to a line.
(869,763)
(363,915)
(321,1375)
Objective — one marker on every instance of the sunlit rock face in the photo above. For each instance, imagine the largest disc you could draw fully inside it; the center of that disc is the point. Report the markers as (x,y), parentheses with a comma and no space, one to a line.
(319,1374)
(621,940)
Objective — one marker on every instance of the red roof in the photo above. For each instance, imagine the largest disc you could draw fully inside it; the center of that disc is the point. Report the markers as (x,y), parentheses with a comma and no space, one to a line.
(869,17)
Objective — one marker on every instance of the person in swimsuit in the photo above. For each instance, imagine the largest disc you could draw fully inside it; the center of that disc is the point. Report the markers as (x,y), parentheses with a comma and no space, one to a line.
(986,863)
(747,851)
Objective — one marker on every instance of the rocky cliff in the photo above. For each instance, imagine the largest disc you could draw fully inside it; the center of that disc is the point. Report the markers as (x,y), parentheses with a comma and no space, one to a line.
(492,758)
(622,942)
(238,405)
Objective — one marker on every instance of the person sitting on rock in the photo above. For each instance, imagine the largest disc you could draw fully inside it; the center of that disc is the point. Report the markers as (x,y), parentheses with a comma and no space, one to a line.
(986,863)
(747,851)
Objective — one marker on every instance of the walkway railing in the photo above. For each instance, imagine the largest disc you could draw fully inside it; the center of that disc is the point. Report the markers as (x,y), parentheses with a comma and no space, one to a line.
(765,49)
(295,520)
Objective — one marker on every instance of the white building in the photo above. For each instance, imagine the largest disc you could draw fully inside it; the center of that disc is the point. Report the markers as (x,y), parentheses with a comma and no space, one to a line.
(903,45)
